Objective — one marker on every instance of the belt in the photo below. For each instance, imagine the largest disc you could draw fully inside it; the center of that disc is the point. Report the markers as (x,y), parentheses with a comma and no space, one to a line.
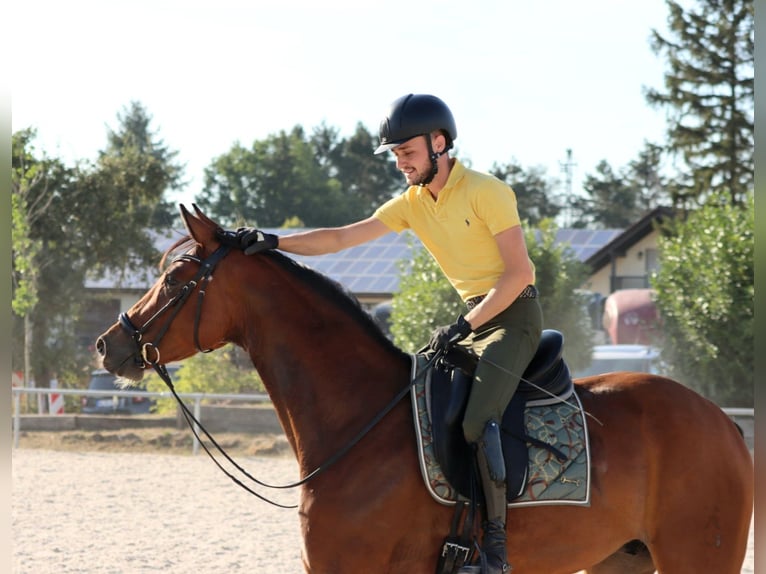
(529,292)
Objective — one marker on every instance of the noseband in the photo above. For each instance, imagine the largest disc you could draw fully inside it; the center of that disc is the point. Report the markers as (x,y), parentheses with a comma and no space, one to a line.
(148,353)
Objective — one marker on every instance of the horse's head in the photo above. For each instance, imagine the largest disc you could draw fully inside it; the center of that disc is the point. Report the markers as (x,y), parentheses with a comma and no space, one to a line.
(156,330)
(211,293)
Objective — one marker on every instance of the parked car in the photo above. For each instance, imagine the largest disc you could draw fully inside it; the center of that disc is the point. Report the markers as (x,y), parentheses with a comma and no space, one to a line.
(101,380)
(609,358)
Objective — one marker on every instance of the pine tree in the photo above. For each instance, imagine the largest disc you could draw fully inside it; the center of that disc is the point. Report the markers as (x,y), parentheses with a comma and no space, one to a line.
(534,190)
(611,201)
(709,96)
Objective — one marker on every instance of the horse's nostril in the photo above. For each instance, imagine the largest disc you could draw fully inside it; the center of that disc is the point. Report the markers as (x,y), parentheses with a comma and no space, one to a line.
(101,346)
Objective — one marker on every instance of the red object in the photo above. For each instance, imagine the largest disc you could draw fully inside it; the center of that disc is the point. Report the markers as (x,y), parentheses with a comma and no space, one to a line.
(630,317)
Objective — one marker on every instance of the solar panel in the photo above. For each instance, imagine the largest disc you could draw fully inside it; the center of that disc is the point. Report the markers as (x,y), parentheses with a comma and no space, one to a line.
(369,269)
(585,242)
(372,268)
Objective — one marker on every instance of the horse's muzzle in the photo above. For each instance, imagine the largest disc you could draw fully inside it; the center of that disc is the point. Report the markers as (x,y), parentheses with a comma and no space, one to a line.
(118,355)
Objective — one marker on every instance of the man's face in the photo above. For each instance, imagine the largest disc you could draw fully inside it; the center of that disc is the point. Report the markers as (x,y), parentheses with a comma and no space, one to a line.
(412,160)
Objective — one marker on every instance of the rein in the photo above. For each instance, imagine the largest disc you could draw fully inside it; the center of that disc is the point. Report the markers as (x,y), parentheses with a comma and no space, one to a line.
(148,354)
(191,420)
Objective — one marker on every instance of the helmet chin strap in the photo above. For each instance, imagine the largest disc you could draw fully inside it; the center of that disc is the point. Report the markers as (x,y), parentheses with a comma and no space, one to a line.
(433,156)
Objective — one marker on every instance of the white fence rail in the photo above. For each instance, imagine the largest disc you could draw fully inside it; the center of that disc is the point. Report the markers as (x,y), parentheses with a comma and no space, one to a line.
(197,398)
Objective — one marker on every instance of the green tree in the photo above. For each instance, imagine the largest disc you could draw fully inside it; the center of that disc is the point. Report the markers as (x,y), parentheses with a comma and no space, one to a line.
(705,292)
(124,194)
(611,201)
(559,277)
(645,176)
(30,198)
(27,206)
(534,193)
(323,180)
(139,169)
(366,180)
(227,370)
(709,96)
(94,220)
(426,299)
(277,179)
(40,271)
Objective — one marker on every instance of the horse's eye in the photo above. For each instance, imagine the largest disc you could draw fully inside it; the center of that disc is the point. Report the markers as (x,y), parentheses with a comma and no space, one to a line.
(169,281)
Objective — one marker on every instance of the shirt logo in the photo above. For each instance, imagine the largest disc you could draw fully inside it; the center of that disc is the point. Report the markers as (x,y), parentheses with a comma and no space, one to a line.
(467,223)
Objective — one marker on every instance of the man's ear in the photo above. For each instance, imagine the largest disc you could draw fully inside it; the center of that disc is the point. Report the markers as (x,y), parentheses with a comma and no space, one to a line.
(437,137)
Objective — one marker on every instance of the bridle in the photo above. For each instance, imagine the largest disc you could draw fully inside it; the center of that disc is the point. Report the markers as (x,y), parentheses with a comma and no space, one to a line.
(148,354)
(143,356)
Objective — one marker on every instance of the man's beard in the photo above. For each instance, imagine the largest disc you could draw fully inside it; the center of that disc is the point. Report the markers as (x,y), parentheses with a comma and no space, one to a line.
(418,177)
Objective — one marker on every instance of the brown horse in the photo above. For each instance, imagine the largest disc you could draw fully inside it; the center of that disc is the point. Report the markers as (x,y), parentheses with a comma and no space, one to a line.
(672,477)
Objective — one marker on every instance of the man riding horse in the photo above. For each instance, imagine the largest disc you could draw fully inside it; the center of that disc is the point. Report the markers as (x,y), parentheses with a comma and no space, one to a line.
(469,223)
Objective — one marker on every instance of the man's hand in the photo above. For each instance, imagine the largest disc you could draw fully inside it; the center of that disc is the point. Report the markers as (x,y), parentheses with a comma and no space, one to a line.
(253,240)
(444,337)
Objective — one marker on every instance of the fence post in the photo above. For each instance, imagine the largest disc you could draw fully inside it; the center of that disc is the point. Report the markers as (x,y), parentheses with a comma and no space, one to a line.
(197,413)
(16,418)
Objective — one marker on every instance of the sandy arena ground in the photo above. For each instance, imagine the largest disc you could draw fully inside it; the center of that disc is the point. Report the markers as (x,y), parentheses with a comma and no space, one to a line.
(100,512)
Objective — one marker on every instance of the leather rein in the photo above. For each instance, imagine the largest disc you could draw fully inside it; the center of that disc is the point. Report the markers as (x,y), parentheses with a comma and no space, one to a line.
(148,354)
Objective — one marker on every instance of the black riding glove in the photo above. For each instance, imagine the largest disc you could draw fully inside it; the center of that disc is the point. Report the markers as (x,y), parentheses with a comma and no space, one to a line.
(253,240)
(444,337)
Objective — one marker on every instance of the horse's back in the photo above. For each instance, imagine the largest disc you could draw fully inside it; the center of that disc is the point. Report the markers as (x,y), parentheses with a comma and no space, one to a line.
(684,466)
(664,406)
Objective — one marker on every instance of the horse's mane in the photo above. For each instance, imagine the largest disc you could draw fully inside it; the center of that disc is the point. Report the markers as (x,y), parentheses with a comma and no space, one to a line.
(323,285)
(334,292)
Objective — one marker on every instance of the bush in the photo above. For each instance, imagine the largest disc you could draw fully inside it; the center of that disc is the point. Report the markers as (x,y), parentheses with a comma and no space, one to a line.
(226,371)
(705,292)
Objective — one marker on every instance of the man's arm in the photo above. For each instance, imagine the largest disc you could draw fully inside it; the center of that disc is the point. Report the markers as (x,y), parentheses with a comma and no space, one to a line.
(332,239)
(517,275)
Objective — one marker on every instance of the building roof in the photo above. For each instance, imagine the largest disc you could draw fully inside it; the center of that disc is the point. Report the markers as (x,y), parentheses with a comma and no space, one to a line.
(622,241)
(371,269)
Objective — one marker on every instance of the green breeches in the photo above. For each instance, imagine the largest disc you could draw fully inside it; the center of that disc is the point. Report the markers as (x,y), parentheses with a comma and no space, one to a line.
(505,345)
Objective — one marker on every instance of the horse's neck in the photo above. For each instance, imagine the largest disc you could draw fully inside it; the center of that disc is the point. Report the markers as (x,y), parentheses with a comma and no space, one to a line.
(325,383)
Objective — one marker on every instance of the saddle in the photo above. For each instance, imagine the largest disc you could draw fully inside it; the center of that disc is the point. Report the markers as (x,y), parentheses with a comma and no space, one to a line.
(546,379)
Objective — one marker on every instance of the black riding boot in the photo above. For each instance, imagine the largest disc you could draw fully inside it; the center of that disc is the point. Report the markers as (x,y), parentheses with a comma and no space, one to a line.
(489,457)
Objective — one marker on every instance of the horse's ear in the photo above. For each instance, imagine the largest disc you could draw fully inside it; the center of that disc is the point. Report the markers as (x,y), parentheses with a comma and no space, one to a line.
(200,227)
(204,217)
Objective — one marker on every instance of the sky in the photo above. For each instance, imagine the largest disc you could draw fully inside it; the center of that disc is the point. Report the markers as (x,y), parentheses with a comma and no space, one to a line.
(526,81)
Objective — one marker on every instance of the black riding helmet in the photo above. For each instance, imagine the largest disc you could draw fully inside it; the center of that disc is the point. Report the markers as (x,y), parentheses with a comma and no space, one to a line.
(417,115)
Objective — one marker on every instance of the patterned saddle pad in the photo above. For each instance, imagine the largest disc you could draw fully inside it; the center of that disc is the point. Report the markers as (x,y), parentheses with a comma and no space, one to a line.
(559,422)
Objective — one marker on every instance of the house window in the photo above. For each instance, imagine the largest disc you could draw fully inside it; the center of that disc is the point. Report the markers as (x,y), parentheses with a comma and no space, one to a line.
(652,260)
(630,282)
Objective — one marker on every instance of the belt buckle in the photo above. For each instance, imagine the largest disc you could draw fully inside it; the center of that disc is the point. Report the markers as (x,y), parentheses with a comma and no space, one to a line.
(456,550)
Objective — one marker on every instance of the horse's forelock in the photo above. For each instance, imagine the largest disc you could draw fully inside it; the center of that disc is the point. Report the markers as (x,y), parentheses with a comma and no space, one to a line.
(183,245)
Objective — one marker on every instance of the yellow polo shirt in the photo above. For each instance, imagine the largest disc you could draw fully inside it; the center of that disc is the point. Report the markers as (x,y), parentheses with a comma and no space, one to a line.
(459,228)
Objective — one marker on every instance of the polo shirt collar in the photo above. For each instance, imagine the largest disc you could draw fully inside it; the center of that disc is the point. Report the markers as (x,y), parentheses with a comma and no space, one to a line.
(455,175)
